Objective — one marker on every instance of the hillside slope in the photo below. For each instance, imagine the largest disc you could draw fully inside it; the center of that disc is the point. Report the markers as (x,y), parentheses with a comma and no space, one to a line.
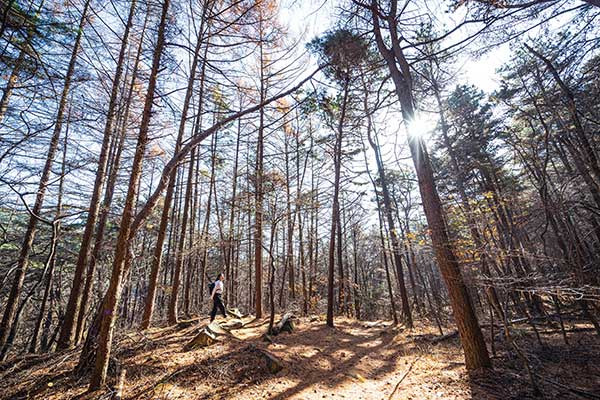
(356,360)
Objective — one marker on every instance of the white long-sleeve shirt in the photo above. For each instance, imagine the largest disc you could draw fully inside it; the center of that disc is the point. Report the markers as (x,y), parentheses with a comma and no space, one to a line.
(218,288)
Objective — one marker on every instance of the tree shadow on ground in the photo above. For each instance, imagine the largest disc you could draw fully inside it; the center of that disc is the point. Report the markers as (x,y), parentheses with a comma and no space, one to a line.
(336,355)
(559,368)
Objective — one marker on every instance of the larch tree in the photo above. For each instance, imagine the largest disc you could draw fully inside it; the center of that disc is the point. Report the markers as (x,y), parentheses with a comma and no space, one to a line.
(69,326)
(15,292)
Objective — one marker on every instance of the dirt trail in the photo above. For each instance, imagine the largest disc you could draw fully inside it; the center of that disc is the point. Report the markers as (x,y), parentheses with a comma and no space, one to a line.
(356,360)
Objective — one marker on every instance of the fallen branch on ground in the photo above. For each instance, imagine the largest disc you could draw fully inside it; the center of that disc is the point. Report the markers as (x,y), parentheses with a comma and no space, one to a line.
(577,391)
(412,364)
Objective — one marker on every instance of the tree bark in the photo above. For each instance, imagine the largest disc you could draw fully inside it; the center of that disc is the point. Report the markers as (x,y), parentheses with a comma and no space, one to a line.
(108,196)
(68,331)
(476,355)
(335,212)
(258,195)
(113,295)
(164,219)
(23,261)
(179,256)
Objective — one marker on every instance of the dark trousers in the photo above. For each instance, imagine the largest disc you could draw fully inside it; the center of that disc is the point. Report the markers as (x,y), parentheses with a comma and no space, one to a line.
(217,305)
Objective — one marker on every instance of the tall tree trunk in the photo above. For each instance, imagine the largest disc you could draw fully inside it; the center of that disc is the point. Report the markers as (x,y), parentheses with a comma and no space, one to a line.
(385,264)
(164,219)
(476,354)
(381,236)
(191,255)
(230,235)
(340,262)
(67,334)
(394,239)
(389,217)
(179,253)
(258,195)
(335,211)
(208,214)
(289,257)
(104,211)
(109,192)
(272,277)
(355,275)
(23,261)
(111,300)
(52,260)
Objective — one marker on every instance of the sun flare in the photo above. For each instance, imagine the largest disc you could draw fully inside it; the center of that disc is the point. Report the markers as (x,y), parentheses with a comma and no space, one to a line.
(421,125)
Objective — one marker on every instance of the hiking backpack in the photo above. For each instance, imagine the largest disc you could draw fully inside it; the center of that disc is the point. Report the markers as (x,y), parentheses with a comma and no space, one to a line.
(211,287)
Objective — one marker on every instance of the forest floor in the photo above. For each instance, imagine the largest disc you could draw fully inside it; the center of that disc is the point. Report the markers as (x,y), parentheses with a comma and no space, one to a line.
(356,360)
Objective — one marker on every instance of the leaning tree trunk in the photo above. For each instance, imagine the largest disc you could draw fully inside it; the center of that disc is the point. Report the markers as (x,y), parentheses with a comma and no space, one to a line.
(52,259)
(109,193)
(23,261)
(113,295)
(476,354)
(67,333)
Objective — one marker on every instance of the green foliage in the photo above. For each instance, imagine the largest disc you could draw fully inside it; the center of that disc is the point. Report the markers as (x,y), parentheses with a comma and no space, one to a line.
(341,51)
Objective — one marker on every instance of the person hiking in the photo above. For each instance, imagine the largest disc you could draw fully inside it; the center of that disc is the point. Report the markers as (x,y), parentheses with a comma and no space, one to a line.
(216,294)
